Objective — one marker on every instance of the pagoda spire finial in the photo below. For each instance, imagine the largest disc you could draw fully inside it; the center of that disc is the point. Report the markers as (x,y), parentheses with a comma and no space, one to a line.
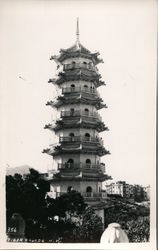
(77,30)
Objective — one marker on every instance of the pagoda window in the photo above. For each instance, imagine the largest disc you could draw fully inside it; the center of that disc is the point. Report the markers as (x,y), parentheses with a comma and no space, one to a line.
(73,64)
(89,191)
(92,89)
(88,163)
(72,111)
(72,87)
(70,163)
(85,65)
(87,137)
(71,136)
(86,111)
(85,88)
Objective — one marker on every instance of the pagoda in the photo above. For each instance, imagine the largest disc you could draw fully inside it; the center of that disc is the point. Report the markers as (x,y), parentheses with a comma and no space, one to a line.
(78,153)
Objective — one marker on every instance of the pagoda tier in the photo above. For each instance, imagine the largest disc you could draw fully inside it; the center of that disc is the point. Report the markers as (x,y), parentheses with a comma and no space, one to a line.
(77,122)
(78,96)
(63,101)
(78,74)
(77,51)
(77,147)
(80,170)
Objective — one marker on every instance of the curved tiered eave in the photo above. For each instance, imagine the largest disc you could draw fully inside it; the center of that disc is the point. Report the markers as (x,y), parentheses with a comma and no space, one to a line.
(77,96)
(77,149)
(77,75)
(77,123)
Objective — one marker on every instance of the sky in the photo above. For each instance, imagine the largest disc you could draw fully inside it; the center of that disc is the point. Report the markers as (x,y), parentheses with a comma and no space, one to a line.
(124,32)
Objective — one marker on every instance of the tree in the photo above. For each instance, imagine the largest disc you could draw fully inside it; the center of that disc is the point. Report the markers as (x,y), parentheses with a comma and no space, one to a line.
(139,230)
(13,194)
(91,228)
(27,196)
(131,218)
(69,208)
(33,176)
(69,205)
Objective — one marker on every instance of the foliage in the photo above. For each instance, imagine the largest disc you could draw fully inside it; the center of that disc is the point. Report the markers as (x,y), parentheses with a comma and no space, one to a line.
(71,203)
(33,176)
(138,230)
(13,194)
(27,196)
(91,227)
(134,219)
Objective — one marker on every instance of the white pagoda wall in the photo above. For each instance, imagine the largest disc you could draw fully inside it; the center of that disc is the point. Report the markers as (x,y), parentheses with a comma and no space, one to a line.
(80,107)
(77,60)
(80,186)
(77,158)
(77,84)
(78,132)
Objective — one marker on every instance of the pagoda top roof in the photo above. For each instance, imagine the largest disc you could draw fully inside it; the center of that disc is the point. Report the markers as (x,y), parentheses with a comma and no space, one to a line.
(76,47)
(77,50)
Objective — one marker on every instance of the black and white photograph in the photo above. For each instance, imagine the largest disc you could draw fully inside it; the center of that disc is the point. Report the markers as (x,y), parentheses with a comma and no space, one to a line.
(78,124)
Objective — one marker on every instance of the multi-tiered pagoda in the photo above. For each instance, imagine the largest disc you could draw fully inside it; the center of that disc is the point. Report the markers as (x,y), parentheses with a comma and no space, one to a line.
(78,154)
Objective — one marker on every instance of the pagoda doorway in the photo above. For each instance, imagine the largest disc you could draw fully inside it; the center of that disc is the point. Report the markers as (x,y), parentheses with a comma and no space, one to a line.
(72,87)
(70,163)
(86,112)
(72,111)
(88,163)
(85,88)
(71,135)
(87,137)
(89,191)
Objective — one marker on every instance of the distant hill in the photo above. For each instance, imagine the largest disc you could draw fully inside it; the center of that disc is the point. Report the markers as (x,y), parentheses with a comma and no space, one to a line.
(24,169)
